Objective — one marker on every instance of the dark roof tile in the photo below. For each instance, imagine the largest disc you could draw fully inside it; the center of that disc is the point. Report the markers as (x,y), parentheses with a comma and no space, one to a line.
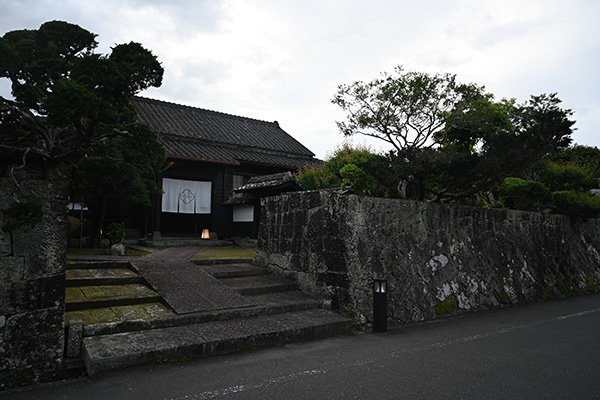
(195,133)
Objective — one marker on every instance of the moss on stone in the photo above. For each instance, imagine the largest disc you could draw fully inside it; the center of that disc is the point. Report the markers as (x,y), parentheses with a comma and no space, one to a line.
(564,289)
(211,252)
(502,296)
(446,306)
(591,286)
(549,294)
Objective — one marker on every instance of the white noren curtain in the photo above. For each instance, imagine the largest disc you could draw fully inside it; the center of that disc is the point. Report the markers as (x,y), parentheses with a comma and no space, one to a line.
(186,197)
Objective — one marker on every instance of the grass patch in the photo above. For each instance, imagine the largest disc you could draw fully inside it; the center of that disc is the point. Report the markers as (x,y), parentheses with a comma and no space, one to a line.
(224,252)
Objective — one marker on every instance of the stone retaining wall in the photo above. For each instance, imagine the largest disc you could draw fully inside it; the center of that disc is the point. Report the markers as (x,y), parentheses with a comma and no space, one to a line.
(438,259)
(32,282)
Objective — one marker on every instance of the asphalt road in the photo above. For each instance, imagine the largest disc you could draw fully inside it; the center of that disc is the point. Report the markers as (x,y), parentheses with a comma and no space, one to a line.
(540,351)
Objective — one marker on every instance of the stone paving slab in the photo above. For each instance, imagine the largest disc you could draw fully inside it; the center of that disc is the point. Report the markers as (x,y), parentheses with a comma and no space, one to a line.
(136,312)
(78,273)
(260,284)
(125,349)
(233,270)
(185,286)
(103,296)
(282,298)
(101,276)
(133,290)
(74,294)
(95,258)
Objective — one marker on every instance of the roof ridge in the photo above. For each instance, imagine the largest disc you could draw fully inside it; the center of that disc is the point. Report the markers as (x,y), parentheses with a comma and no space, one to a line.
(233,116)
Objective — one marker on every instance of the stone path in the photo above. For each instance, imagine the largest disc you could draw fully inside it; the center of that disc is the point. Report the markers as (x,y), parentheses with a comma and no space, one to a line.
(185,287)
(167,308)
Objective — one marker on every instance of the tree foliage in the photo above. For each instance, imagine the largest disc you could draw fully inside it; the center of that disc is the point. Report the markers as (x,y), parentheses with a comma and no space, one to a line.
(68,99)
(125,167)
(560,183)
(569,202)
(357,167)
(404,110)
(22,214)
(452,142)
(72,105)
(587,157)
(521,194)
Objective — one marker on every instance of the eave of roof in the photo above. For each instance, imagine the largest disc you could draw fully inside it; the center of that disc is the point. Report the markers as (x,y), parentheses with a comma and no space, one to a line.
(271,184)
(193,149)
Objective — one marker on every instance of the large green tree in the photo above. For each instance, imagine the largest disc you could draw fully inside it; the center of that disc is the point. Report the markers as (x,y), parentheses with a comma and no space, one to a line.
(404,109)
(452,141)
(72,105)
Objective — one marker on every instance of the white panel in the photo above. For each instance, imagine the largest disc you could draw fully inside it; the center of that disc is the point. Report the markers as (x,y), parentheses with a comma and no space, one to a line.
(243,213)
(170,198)
(186,197)
(203,193)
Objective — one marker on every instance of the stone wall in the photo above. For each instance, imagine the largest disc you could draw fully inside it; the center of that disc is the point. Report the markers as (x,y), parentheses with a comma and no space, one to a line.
(32,282)
(438,259)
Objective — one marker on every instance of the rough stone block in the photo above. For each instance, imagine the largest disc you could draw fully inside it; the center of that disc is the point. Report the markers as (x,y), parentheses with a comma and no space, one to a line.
(11,268)
(14,297)
(38,266)
(74,338)
(34,323)
(46,292)
(46,371)
(2,327)
(313,199)
(4,243)
(117,249)
(28,353)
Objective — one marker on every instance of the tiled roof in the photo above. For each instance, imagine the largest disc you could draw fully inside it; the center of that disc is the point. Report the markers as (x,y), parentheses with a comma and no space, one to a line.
(283,181)
(198,134)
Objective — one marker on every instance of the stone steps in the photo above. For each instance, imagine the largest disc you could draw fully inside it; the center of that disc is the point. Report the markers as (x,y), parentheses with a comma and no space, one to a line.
(233,270)
(101,276)
(126,317)
(266,304)
(252,285)
(248,280)
(109,292)
(275,312)
(102,296)
(183,342)
(82,263)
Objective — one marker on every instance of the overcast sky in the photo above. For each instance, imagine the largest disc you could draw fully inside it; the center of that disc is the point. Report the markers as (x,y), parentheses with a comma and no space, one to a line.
(283,59)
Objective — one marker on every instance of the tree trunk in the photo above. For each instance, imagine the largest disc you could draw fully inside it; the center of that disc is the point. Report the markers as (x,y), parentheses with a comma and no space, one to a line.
(99,210)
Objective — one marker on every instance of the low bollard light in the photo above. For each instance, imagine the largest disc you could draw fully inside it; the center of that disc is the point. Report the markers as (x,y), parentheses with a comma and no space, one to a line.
(379,305)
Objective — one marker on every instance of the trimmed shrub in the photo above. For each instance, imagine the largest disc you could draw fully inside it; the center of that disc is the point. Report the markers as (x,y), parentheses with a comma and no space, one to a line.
(115,232)
(583,205)
(520,194)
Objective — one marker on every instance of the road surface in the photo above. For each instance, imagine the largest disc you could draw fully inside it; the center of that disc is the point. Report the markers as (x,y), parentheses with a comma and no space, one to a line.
(548,350)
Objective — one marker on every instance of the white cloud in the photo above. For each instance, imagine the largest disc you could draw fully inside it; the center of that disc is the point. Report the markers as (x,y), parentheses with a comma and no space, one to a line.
(282,59)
